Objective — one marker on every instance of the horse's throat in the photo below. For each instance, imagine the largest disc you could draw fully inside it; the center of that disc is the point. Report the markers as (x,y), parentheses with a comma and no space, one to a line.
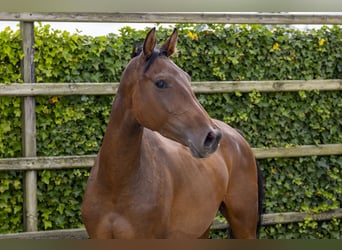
(121,147)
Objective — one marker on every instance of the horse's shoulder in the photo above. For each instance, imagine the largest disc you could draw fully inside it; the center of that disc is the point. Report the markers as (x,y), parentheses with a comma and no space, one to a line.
(232,136)
(228,130)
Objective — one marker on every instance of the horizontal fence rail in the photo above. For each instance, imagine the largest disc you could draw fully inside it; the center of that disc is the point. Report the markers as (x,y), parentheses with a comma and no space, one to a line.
(28,90)
(177,17)
(86,161)
(43,89)
(266,219)
(289,217)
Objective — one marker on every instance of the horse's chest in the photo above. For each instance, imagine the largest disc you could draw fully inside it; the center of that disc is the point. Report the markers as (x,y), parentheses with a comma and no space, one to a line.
(165,207)
(184,215)
(170,197)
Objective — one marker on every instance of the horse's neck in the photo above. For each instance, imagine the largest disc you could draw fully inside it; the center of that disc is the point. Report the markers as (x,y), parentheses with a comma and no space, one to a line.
(120,152)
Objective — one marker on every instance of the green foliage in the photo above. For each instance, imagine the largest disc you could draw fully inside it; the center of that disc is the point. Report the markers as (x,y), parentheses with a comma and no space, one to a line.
(310,184)
(11,193)
(253,52)
(11,202)
(75,125)
(10,56)
(59,197)
(282,119)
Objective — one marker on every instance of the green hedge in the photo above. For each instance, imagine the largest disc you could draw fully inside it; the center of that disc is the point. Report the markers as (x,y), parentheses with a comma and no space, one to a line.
(75,125)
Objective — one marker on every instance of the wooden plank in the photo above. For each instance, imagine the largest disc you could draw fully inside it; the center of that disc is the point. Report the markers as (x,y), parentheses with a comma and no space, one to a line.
(209,87)
(86,161)
(266,86)
(177,17)
(66,234)
(288,217)
(48,163)
(267,219)
(58,89)
(298,151)
(28,119)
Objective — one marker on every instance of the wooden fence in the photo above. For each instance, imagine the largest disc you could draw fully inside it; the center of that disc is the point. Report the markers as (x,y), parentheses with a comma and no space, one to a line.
(30,163)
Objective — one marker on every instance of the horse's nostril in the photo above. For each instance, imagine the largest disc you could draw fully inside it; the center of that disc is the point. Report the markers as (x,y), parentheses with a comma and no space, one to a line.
(210,139)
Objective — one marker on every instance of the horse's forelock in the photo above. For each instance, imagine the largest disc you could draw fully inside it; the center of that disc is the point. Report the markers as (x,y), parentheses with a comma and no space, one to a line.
(150,60)
(137,50)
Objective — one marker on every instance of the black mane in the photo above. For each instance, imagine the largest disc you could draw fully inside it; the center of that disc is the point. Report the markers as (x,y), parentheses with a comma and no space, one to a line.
(136,50)
(156,53)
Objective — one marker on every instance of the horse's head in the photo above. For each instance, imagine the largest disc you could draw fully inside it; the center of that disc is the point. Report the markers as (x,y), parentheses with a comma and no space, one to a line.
(163,101)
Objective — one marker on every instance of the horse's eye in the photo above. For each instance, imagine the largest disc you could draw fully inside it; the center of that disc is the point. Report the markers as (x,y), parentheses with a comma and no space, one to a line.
(161,84)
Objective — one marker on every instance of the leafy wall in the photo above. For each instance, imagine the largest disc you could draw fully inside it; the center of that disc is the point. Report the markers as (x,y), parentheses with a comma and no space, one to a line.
(75,125)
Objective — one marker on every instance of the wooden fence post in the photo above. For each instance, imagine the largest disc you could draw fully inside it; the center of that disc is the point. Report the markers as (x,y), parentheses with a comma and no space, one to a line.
(28,110)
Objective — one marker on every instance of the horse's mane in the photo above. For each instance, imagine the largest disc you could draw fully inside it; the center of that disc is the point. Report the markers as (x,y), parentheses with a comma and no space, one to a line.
(137,48)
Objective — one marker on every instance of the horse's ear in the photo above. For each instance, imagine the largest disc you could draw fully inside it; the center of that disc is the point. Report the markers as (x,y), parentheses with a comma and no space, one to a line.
(171,43)
(149,43)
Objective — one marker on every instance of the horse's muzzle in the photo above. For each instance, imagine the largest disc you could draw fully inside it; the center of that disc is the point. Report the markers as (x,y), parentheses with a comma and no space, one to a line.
(209,144)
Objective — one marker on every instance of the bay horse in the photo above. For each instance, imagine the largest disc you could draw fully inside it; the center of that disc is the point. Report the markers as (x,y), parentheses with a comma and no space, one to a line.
(165,167)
